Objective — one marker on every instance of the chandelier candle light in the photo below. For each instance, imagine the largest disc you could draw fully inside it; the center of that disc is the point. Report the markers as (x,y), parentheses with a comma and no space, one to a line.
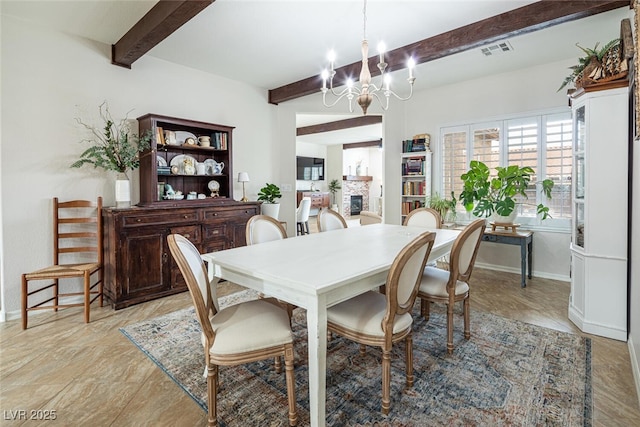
(368,90)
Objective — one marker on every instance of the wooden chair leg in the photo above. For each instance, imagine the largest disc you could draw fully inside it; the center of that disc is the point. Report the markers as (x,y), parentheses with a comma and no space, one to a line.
(291,384)
(25,292)
(101,287)
(449,328)
(467,325)
(306,226)
(425,306)
(278,364)
(409,359)
(363,349)
(87,296)
(212,395)
(56,286)
(386,380)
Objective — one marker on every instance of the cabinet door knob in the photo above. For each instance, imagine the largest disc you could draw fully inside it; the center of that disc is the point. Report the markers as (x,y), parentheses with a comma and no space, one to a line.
(187,236)
(186,217)
(138,220)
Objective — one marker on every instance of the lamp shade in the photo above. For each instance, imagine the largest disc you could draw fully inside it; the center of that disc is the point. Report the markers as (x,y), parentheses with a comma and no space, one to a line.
(243,177)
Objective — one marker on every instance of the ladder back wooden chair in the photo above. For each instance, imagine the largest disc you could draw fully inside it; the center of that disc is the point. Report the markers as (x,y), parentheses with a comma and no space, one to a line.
(77,253)
(379,319)
(451,286)
(241,333)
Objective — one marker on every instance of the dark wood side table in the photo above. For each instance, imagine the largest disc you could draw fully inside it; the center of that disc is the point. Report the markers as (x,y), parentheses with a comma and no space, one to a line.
(524,239)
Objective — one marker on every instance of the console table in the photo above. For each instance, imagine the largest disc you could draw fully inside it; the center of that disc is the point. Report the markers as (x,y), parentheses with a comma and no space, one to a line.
(524,239)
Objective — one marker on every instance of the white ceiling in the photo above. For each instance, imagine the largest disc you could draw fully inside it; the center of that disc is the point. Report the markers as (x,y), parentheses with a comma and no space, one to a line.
(269,43)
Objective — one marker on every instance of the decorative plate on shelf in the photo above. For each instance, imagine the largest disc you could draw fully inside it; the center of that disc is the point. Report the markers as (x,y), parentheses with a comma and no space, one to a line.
(182,137)
(182,162)
(214,186)
(161,161)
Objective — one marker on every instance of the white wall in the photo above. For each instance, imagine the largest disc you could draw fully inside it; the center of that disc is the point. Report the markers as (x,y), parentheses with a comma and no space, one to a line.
(48,79)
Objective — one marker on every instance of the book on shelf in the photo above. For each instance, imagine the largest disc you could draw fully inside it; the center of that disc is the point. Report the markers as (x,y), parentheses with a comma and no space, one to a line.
(413,188)
(159,136)
(418,144)
(220,140)
(408,206)
(413,167)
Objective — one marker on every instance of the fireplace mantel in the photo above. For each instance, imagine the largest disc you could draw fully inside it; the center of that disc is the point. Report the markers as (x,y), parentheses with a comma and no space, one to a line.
(357,178)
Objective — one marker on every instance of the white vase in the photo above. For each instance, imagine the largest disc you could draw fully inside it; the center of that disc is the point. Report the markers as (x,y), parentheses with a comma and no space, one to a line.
(270,209)
(123,191)
(504,219)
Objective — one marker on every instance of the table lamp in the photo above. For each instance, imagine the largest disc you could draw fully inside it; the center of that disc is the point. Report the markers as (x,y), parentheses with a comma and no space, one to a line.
(243,177)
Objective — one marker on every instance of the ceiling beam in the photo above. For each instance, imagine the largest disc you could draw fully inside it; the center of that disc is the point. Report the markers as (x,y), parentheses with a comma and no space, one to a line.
(526,19)
(339,125)
(161,21)
(363,144)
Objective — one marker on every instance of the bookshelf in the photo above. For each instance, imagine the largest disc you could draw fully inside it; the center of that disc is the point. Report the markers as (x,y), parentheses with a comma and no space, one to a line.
(416,173)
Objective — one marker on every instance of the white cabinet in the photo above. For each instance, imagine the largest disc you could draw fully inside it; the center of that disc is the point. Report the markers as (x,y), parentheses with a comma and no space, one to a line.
(598,301)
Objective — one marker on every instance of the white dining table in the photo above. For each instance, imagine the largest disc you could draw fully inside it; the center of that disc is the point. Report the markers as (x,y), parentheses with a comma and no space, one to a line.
(317,271)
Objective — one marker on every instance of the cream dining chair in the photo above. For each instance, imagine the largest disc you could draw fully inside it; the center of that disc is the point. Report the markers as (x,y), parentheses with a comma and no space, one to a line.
(262,229)
(379,319)
(241,333)
(451,286)
(367,218)
(329,219)
(423,217)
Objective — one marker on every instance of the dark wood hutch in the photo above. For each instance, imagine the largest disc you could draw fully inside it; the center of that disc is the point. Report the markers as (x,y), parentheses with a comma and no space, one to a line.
(138,264)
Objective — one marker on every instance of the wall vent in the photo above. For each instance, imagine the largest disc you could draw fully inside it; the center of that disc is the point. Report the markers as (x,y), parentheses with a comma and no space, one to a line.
(497,49)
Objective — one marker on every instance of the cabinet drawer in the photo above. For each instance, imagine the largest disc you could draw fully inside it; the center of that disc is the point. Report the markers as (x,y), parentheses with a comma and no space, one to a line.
(217,214)
(191,232)
(213,232)
(137,220)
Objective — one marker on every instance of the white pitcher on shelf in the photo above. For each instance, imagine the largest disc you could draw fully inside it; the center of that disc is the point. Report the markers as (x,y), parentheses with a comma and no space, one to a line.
(217,167)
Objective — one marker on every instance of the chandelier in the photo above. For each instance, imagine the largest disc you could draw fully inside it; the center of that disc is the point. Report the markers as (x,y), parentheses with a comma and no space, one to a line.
(367,90)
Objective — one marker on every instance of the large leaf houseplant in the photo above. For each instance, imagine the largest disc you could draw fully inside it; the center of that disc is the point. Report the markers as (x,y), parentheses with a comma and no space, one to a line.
(113,147)
(269,195)
(485,195)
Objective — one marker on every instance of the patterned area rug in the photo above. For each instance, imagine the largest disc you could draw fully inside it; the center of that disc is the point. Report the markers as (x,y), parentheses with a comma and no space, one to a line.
(509,373)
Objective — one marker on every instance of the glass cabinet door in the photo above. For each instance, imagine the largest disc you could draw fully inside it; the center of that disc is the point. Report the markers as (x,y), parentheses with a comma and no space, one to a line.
(579,164)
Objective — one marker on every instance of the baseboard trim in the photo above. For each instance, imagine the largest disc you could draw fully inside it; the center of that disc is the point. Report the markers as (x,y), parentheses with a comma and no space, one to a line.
(634,367)
(541,274)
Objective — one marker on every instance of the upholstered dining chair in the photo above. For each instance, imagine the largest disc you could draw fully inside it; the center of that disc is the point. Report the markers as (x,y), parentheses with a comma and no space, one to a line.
(378,319)
(423,217)
(452,286)
(302,216)
(77,253)
(238,334)
(329,219)
(263,228)
(367,217)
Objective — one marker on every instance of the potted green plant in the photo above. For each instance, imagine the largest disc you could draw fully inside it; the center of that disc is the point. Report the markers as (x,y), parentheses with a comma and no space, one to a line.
(445,207)
(588,64)
(334,186)
(114,147)
(269,195)
(486,196)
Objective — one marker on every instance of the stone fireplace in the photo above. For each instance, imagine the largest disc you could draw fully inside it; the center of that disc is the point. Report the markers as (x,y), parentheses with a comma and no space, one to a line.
(356,204)
(359,186)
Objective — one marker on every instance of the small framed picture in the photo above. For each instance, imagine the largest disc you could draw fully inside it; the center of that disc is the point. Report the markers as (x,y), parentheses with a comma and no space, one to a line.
(170,137)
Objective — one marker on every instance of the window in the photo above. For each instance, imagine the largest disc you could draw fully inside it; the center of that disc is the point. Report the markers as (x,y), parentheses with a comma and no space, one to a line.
(542,142)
